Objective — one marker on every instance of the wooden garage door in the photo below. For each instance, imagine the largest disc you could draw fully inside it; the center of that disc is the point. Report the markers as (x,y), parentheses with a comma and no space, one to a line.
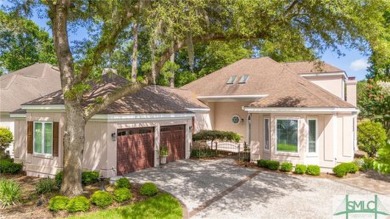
(174,138)
(135,149)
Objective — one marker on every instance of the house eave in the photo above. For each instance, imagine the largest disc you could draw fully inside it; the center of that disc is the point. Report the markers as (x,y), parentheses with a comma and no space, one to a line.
(219,98)
(44,107)
(296,110)
(141,117)
(325,74)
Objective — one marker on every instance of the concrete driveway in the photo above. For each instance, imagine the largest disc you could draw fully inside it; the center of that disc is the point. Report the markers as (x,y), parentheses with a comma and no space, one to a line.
(221,189)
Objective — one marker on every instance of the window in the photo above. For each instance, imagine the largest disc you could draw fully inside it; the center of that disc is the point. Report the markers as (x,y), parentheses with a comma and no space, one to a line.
(231,79)
(266,134)
(312,136)
(287,135)
(43,138)
(243,79)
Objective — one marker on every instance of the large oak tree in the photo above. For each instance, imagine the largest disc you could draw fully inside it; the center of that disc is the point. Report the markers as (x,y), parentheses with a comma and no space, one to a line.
(168,26)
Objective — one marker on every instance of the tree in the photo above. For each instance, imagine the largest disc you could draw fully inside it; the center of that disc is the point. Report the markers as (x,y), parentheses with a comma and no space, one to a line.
(23,43)
(170,26)
(371,137)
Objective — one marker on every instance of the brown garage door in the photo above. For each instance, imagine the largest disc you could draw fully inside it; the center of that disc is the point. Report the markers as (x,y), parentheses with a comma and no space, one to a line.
(135,149)
(174,138)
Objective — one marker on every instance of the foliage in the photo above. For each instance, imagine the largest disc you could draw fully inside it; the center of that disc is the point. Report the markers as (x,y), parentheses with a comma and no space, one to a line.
(58,178)
(102,199)
(8,166)
(89,177)
(368,163)
(313,170)
(23,43)
(286,167)
(148,189)
(58,203)
(382,164)
(6,138)
(78,203)
(212,135)
(300,169)
(46,185)
(262,163)
(123,183)
(164,150)
(343,169)
(160,206)
(10,192)
(273,165)
(122,194)
(202,153)
(371,137)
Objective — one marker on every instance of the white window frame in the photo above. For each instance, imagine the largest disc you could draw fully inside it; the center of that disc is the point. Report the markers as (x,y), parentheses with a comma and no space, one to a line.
(276,136)
(43,139)
(269,134)
(316,135)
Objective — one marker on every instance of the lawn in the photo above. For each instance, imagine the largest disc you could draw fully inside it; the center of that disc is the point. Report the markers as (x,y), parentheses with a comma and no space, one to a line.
(161,206)
(287,148)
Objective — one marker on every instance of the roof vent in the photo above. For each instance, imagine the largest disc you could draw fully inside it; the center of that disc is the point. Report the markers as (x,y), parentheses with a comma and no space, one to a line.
(231,79)
(243,79)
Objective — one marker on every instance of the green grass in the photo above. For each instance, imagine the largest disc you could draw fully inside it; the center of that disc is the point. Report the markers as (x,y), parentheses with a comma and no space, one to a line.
(160,206)
(287,147)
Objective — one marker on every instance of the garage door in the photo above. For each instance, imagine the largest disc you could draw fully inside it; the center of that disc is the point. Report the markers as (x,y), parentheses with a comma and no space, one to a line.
(135,149)
(174,138)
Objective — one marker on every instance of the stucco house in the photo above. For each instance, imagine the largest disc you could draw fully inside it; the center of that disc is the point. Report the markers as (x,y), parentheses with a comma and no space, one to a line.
(302,112)
(24,85)
(124,137)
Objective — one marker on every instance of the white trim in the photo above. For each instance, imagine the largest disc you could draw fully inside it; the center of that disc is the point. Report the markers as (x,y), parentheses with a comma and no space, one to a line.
(335,139)
(276,137)
(198,109)
(298,110)
(44,154)
(324,74)
(19,115)
(43,107)
(142,117)
(312,154)
(238,97)
(269,133)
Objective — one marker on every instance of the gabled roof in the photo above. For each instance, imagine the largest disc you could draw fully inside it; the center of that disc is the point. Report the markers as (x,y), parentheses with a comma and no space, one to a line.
(310,67)
(150,99)
(27,84)
(281,86)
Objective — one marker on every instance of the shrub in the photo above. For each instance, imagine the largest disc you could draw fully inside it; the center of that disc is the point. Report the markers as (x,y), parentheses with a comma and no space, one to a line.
(368,163)
(262,163)
(371,137)
(58,178)
(203,153)
(46,185)
(382,164)
(5,139)
(78,203)
(352,167)
(122,194)
(212,135)
(313,170)
(58,203)
(286,167)
(340,170)
(149,189)
(10,192)
(8,166)
(273,165)
(123,183)
(101,199)
(89,177)
(300,169)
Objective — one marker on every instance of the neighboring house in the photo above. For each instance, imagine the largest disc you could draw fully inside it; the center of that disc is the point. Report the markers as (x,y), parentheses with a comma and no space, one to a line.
(124,137)
(24,85)
(302,112)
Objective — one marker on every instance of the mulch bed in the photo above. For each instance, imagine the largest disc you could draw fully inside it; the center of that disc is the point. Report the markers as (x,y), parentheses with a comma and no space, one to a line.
(36,206)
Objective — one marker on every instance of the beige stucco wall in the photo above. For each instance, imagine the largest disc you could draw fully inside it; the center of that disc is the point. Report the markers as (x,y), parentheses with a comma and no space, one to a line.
(333,84)
(336,139)
(202,121)
(351,92)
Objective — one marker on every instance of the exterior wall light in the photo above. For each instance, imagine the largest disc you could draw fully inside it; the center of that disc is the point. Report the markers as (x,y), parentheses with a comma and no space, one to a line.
(113,136)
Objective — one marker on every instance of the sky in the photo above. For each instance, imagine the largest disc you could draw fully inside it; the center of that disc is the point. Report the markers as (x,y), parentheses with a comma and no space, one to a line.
(353,62)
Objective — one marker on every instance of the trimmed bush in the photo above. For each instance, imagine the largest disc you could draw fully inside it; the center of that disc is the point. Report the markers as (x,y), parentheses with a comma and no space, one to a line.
(273,165)
(123,183)
(371,137)
(78,203)
(89,177)
(122,194)
(102,199)
(10,192)
(313,170)
(352,167)
(149,189)
(46,185)
(58,203)
(340,170)
(286,167)
(203,153)
(300,169)
(8,166)
(212,135)
(262,163)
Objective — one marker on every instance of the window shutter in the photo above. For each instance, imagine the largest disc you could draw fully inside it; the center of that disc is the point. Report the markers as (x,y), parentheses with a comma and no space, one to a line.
(55,138)
(30,136)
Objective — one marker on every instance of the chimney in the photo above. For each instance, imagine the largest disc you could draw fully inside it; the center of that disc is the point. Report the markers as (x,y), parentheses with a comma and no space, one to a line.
(351,90)
(109,71)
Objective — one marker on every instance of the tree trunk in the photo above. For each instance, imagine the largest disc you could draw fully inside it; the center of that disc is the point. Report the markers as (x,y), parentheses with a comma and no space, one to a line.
(134,56)
(74,139)
(172,78)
